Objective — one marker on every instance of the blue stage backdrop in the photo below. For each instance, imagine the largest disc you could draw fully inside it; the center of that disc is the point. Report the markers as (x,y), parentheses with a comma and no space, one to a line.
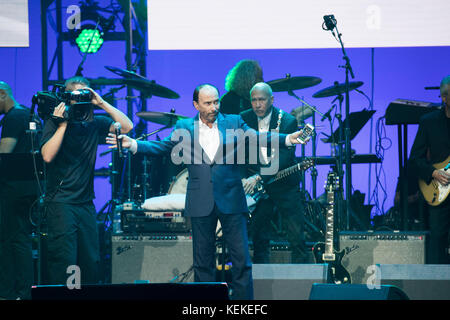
(387,73)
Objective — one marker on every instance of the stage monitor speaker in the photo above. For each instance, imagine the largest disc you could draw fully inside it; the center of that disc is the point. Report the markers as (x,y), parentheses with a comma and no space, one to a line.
(152,258)
(355,292)
(141,291)
(364,249)
(286,281)
(419,282)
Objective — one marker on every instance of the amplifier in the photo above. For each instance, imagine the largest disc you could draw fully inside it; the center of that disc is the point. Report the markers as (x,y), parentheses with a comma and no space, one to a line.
(364,249)
(138,221)
(157,258)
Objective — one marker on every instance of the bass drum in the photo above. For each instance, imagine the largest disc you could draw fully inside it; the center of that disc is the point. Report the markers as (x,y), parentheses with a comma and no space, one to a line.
(179,186)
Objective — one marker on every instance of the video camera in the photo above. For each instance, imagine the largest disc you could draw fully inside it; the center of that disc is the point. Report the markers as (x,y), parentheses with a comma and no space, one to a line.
(47,101)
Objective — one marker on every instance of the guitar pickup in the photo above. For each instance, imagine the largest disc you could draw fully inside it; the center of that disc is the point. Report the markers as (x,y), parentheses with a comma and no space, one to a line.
(329,257)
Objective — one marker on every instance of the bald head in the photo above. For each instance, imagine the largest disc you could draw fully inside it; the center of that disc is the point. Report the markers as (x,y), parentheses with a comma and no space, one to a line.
(261,99)
(262,86)
(7,100)
(206,101)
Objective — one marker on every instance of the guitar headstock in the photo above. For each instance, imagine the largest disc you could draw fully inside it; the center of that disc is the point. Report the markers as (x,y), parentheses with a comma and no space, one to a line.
(306,164)
(332,183)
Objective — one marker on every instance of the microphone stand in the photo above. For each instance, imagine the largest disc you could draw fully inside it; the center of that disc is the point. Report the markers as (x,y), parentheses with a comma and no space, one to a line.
(348,165)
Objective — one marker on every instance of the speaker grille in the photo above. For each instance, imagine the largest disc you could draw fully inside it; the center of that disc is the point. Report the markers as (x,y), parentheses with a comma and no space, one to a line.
(364,249)
(147,259)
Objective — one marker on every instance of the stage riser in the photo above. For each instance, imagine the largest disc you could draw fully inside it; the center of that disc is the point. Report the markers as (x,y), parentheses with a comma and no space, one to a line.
(286,281)
(419,282)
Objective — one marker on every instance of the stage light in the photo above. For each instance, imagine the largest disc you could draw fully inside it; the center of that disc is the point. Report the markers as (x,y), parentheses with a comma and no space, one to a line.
(89,40)
(93,27)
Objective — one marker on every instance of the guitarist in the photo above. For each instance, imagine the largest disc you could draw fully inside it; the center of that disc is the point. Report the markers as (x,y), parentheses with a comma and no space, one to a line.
(432,145)
(284,195)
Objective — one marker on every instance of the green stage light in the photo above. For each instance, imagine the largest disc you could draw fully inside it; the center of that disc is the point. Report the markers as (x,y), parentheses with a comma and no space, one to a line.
(89,40)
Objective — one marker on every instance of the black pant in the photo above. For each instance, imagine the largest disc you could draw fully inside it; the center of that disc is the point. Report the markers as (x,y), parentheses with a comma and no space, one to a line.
(289,204)
(16,261)
(72,241)
(234,229)
(439,225)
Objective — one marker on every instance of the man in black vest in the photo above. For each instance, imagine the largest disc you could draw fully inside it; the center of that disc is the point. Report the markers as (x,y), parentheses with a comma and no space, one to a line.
(284,195)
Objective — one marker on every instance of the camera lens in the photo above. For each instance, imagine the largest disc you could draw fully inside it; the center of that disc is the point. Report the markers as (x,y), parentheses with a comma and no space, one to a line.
(82,95)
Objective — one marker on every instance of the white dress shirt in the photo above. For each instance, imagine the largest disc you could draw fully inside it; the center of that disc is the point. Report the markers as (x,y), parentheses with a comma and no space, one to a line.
(209,138)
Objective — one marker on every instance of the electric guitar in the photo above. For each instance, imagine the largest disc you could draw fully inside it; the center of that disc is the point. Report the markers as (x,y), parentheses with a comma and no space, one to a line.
(259,191)
(325,252)
(435,193)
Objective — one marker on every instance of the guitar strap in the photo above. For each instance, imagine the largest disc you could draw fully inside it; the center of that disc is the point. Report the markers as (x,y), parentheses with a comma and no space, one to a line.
(277,129)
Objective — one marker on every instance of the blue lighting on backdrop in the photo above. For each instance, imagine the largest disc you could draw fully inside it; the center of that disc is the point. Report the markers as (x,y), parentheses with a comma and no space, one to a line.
(387,73)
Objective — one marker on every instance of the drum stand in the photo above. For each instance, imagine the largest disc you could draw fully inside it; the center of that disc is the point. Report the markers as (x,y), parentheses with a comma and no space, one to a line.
(313,139)
(145,172)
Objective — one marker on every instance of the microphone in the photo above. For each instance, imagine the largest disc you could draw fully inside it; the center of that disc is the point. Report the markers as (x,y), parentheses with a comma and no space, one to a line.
(117,127)
(31,123)
(330,22)
(327,114)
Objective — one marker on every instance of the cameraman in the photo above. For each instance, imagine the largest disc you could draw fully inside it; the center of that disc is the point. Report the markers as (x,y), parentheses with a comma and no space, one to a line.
(69,147)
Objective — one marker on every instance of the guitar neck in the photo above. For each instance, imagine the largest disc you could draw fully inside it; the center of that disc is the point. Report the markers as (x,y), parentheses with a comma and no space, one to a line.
(286,172)
(329,234)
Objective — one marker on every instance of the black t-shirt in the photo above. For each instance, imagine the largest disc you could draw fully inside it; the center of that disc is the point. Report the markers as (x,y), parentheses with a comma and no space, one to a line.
(70,176)
(15,124)
(448,127)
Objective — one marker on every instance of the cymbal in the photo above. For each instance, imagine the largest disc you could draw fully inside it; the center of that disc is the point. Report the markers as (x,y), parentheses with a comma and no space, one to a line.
(151,88)
(337,89)
(302,113)
(124,73)
(293,83)
(140,83)
(164,118)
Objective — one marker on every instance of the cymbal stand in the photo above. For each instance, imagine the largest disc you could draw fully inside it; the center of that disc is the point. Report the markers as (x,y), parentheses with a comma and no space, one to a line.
(145,174)
(313,138)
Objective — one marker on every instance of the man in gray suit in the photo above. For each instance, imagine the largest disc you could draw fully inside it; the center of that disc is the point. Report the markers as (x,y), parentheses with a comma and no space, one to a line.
(214,190)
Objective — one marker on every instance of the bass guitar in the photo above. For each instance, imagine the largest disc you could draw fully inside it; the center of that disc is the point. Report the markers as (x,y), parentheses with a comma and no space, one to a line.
(325,252)
(435,193)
